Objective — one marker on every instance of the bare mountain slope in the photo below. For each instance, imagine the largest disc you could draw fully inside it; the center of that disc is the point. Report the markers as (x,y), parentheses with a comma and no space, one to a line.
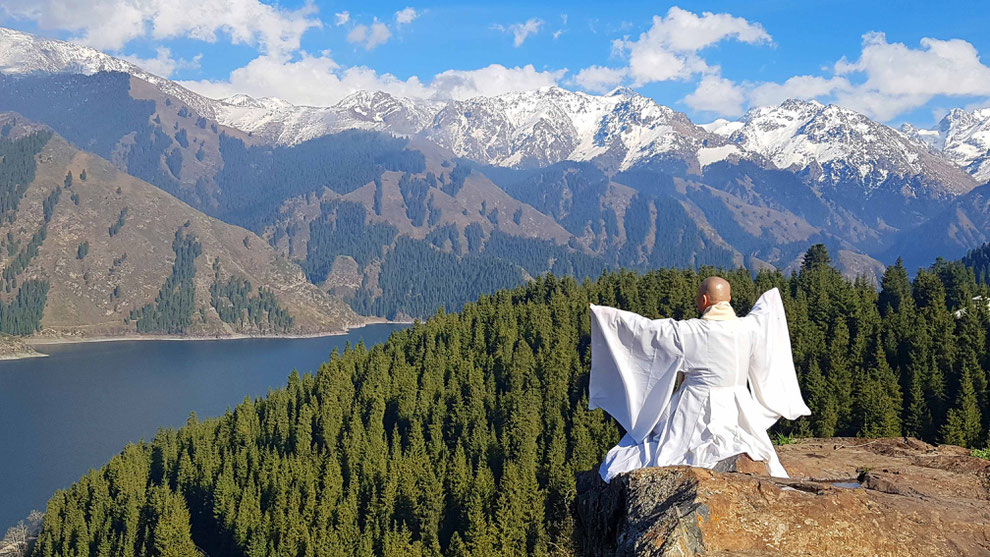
(108,250)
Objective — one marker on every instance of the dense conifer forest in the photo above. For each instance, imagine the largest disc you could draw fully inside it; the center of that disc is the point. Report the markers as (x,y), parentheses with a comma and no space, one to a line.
(234,303)
(979,260)
(22,314)
(17,167)
(171,312)
(463,435)
(256,180)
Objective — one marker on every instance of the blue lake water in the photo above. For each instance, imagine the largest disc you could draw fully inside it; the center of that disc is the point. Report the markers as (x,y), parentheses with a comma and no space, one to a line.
(72,411)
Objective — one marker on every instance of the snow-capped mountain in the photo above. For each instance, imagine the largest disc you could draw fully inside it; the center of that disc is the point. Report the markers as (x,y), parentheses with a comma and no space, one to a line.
(24,54)
(548,125)
(962,137)
(834,144)
(620,130)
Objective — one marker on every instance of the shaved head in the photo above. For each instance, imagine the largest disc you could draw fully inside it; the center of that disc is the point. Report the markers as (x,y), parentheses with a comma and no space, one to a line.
(712,291)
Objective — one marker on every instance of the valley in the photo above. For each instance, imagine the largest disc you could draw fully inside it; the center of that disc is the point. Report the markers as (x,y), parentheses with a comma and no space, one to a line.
(281,280)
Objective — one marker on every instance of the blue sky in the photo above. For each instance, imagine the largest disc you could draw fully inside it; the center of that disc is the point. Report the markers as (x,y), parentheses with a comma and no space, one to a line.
(895,61)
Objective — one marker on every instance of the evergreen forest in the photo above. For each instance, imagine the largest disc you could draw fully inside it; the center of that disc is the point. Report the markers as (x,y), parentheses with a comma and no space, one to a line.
(21,313)
(171,311)
(463,435)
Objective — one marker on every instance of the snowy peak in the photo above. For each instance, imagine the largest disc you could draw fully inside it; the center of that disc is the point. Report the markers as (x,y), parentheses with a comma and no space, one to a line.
(23,53)
(381,110)
(552,124)
(962,137)
(618,130)
(835,144)
(965,137)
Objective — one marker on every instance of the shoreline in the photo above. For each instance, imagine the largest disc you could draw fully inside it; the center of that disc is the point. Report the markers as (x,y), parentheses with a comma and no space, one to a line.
(61,340)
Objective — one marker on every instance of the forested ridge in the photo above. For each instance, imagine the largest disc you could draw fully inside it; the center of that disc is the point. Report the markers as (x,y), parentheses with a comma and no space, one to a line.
(22,314)
(462,435)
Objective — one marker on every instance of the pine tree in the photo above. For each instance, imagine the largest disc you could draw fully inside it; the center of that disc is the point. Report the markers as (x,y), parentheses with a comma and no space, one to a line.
(964,422)
(166,525)
(821,401)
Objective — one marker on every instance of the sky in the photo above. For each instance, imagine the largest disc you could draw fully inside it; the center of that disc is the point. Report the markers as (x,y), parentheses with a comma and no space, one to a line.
(896,62)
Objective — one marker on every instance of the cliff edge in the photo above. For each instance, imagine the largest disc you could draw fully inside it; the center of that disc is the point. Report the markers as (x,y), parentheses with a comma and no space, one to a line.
(848,497)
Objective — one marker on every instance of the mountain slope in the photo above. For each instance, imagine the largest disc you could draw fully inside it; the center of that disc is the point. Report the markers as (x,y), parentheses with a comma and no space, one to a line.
(834,145)
(469,434)
(393,188)
(962,137)
(962,226)
(108,246)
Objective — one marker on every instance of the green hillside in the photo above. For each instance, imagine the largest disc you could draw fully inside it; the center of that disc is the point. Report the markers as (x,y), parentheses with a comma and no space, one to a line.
(463,435)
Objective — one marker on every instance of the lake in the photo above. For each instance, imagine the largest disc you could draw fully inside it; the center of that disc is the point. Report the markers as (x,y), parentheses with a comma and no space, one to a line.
(72,411)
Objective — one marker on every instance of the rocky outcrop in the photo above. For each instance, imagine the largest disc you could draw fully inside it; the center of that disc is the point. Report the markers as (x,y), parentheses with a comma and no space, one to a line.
(13,348)
(883,497)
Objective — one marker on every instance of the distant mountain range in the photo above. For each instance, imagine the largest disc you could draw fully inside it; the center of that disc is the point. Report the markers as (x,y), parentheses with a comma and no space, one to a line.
(402,205)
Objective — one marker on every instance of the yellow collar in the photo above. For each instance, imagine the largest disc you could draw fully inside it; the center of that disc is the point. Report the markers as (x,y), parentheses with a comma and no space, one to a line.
(721,311)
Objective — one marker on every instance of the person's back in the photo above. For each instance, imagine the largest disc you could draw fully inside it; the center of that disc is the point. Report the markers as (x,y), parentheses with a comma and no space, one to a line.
(716,353)
(714,414)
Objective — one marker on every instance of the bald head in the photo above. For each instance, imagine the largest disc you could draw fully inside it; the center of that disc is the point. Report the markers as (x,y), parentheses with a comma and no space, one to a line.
(712,291)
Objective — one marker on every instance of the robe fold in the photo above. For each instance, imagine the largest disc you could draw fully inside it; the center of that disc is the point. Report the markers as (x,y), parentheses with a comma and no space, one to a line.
(713,415)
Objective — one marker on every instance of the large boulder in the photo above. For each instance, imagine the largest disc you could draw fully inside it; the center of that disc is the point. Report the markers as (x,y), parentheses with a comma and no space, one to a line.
(846,497)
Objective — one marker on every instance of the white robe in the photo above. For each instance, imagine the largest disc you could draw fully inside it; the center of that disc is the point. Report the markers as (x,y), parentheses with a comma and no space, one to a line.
(712,416)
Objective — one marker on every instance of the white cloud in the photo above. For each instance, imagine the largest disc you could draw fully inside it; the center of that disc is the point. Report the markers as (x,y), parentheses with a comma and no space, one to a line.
(888,79)
(406,15)
(599,79)
(163,64)
(669,49)
(797,87)
(310,80)
(342,18)
(369,36)
(111,24)
(521,31)
(717,94)
(321,81)
(899,78)
(491,80)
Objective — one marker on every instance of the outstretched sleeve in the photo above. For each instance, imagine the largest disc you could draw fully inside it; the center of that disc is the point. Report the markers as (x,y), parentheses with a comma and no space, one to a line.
(634,364)
(772,378)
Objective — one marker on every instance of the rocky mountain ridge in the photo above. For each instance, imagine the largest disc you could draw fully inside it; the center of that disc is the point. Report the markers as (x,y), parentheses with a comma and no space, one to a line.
(118,256)
(846,497)
(619,130)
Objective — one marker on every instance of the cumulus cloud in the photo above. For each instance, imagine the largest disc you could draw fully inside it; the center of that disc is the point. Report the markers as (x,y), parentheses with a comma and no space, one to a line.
(111,24)
(717,94)
(371,36)
(669,49)
(798,87)
(888,79)
(163,64)
(406,15)
(899,78)
(310,80)
(342,18)
(491,80)
(521,31)
(599,79)
(321,81)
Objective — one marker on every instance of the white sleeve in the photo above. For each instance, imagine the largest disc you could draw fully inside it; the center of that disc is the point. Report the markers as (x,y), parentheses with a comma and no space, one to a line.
(772,378)
(634,364)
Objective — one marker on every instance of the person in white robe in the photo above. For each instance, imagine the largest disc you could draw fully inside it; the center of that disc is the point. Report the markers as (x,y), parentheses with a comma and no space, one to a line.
(738,380)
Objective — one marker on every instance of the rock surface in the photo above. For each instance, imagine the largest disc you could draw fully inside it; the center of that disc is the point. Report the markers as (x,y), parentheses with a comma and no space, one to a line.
(881,497)
(14,348)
